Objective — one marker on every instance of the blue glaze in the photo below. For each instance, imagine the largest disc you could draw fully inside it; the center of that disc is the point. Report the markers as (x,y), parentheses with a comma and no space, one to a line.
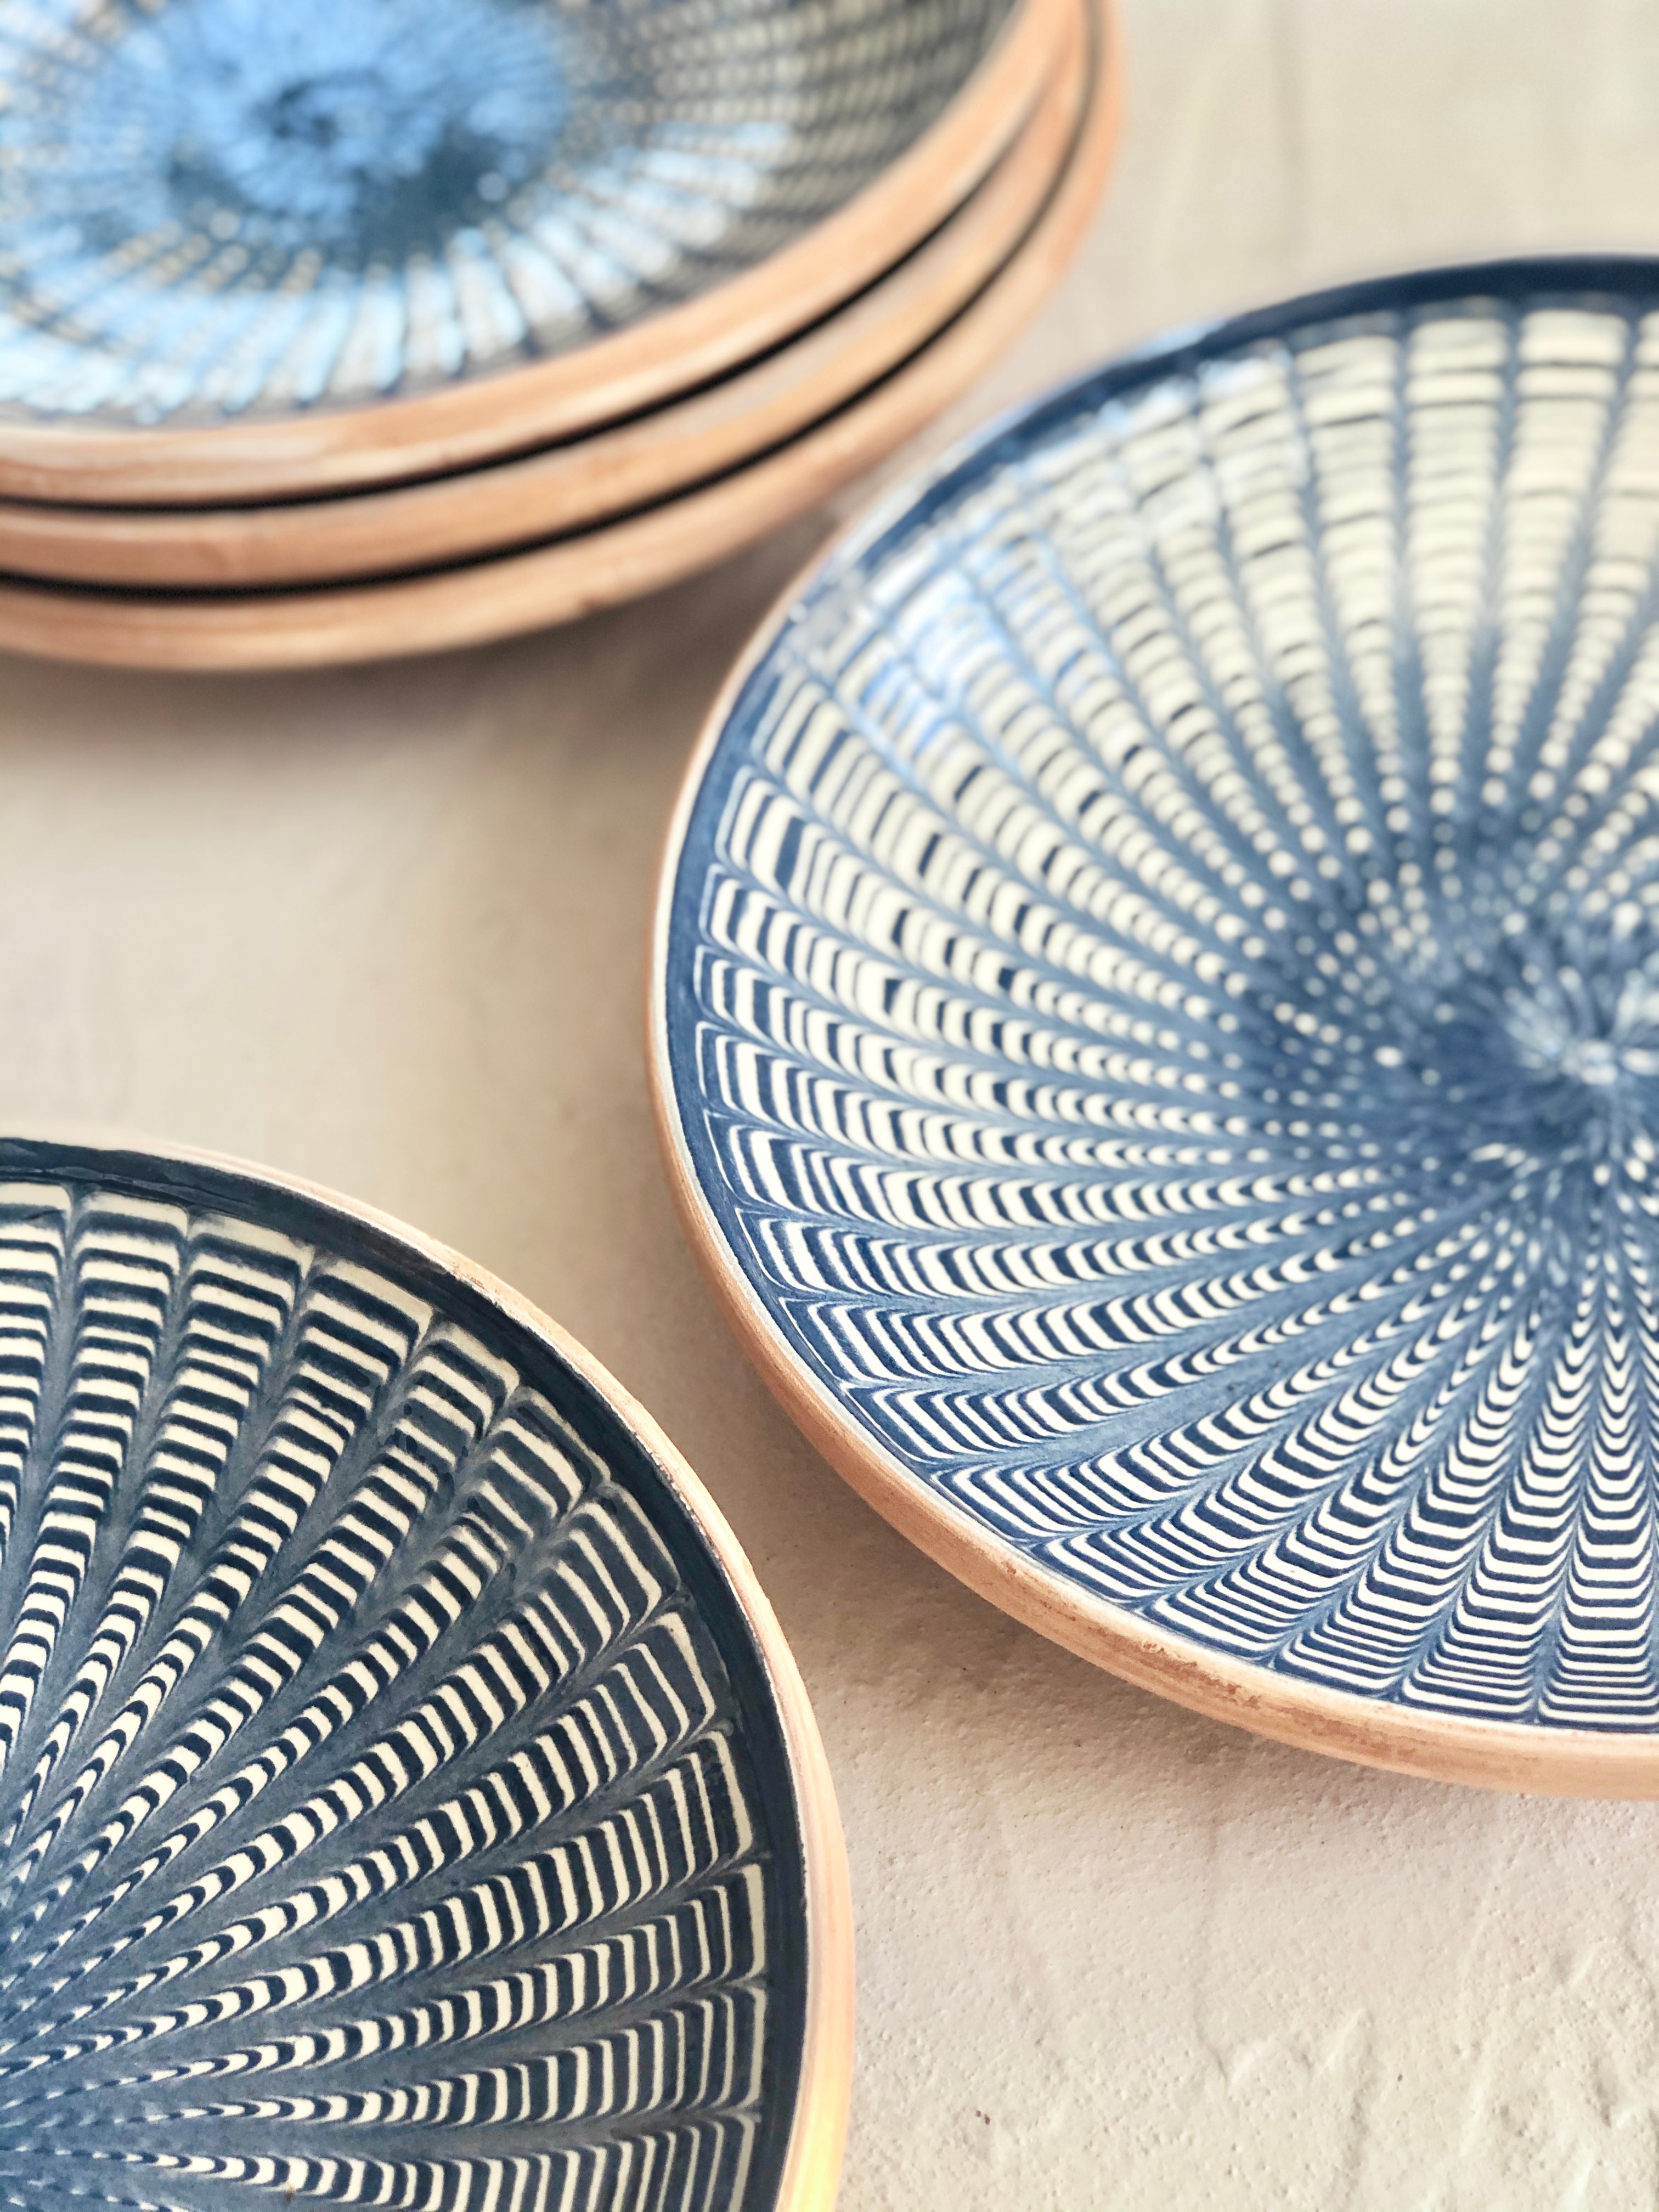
(394,1806)
(1162,990)
(363,131)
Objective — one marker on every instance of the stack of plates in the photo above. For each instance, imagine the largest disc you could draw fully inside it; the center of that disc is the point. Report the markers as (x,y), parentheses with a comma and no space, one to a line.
(342,330)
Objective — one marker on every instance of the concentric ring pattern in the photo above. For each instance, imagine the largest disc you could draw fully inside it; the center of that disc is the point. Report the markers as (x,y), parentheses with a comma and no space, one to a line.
(391,1811)
(1161,993)
(213,206)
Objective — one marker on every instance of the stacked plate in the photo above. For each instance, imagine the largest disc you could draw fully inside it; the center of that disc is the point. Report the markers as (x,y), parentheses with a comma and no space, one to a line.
(337,330)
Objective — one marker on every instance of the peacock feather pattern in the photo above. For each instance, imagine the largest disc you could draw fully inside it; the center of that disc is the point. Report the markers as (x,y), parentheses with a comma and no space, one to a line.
(210,207)
(1163,991)
(381,1821)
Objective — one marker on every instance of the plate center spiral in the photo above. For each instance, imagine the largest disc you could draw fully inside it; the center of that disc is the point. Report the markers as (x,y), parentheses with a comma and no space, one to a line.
(1526,1052)
(367,131)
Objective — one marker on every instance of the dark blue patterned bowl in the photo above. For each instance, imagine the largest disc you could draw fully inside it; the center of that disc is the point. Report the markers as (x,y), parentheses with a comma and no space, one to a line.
(1157,1017)
(406,1797)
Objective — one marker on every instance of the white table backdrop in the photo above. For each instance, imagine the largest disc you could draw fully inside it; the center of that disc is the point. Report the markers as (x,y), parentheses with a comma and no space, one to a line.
(385,929)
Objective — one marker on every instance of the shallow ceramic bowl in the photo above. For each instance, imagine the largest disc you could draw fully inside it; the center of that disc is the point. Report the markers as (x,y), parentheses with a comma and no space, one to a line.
(580,481)
(241,230)
(406,1796)
(568,576)
(1156,1018)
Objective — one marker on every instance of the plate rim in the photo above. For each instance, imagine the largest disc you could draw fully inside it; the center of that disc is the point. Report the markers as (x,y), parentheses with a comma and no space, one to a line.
(810,2170)
(494,411)
(1501,1755)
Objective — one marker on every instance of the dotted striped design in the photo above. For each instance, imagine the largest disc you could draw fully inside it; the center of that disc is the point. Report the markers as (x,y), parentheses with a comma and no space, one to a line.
(378,1823)
(1163,992)
(208,207)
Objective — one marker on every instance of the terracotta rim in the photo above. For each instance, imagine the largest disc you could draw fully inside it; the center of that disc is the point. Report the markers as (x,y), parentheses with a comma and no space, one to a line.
(634,369)
(811,2163)
(577,575)
(574,485)
(1487,1754)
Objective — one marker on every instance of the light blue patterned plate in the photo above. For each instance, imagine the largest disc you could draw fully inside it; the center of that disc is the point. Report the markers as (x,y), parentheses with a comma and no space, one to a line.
(1158,1017)
(214,209)
(406,1796)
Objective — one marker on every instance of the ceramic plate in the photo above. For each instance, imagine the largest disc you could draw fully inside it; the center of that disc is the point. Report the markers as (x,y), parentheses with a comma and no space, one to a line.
(406,1797)
(1156,1018)
(570,576)
(230,233)
(583,480)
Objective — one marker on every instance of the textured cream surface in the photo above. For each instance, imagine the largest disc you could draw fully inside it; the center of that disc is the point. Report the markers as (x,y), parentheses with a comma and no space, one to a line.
(387,928)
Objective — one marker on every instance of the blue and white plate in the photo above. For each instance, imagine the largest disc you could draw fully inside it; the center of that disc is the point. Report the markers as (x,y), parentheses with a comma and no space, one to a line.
(406,1797)
(1157,1017)
(224,212)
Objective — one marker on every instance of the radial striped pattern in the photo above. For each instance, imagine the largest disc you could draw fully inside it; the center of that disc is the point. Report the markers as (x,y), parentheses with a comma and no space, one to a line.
(1163,992)
(378,1820)
(213,206)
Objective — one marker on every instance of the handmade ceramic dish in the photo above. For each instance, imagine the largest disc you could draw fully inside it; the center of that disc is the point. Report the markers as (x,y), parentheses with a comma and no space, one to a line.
(251,250)
(1156,1018)
(585,480)
(408,1797)
(571,576)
